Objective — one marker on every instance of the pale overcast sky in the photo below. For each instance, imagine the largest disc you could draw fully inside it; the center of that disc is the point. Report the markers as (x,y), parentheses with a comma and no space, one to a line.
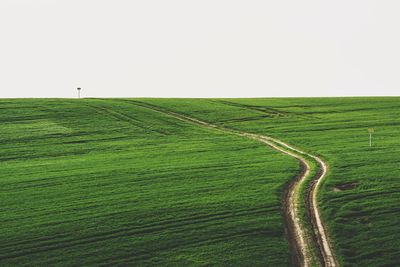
(204,48)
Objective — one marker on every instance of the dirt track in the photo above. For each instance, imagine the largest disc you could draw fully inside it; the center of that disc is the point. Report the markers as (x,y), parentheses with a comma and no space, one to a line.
(323,242)
(302,244)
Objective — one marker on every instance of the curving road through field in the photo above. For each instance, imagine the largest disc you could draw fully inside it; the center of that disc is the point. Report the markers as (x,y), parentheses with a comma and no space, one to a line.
(303,245)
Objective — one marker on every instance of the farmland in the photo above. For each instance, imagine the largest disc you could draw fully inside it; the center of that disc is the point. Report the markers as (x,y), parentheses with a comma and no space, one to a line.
(101,182)
(360,197)
(112,182)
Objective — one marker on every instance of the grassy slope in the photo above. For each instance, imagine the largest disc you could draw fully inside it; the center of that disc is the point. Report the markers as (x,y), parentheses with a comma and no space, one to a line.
(364,221)
(96,182)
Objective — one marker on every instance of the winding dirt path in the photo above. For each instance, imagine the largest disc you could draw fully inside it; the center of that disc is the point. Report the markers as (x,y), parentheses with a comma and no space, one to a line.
(319,228)
(302,243)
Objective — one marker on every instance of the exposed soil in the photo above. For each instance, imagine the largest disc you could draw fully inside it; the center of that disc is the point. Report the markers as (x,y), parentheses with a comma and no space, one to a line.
(346,186)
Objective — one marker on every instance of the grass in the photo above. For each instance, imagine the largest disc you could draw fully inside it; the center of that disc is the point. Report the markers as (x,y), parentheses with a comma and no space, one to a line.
(107,182)
(363,221)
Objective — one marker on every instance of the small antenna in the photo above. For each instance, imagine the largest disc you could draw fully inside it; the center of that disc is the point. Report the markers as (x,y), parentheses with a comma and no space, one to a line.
(79,92)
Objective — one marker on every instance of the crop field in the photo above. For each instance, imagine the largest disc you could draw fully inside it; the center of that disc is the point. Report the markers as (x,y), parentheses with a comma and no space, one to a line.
(115,182)
(104,182)
(361,196)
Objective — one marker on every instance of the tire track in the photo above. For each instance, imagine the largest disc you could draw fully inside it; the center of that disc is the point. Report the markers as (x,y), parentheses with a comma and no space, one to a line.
(302,244)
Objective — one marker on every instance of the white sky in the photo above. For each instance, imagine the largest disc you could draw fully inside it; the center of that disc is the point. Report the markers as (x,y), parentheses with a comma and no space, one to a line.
(202,48)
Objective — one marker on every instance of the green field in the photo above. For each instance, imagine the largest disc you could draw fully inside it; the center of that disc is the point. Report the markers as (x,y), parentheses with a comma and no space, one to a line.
(113,182)
(97,182)
(363,221)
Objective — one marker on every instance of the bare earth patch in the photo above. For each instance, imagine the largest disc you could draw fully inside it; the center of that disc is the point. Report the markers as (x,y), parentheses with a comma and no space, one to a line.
(346,186)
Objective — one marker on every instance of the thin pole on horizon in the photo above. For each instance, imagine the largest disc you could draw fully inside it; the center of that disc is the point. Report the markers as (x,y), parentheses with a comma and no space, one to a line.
(79,92)
(370,131)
